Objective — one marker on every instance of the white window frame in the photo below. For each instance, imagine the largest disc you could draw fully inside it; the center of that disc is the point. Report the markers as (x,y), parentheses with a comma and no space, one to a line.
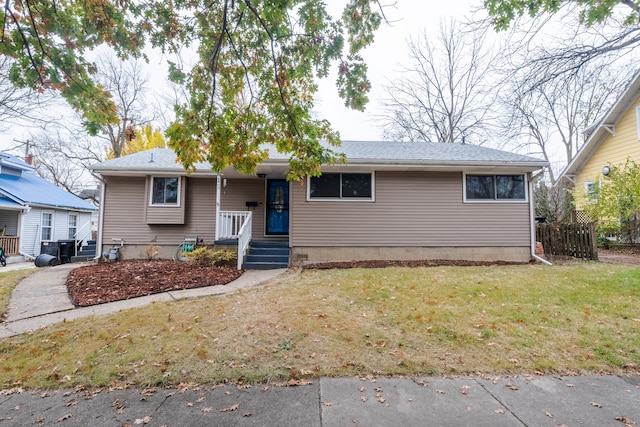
(591,187)
(71,236)
(161,205)
(344,199)
(495,200)
(50,227)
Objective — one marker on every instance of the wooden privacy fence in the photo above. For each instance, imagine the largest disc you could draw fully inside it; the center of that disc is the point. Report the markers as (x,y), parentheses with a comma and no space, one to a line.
(577,240)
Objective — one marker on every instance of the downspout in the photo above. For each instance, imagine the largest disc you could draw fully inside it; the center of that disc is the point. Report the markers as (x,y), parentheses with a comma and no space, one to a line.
(532,219)
(21,228)
(218,188)
(100,220)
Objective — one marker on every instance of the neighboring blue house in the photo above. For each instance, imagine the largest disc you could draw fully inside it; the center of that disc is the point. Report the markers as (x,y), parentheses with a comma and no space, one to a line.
(33,211)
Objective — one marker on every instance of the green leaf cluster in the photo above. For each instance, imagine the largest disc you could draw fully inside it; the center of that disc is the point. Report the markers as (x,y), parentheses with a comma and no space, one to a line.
(504,12)
(616,201)
(252,86)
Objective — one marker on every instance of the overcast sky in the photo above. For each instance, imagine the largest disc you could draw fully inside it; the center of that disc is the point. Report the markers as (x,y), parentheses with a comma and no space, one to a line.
(408,19)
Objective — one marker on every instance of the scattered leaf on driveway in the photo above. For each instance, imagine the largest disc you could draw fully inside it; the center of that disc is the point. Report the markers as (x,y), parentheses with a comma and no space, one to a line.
(596,404)
(628,422)
(230,408)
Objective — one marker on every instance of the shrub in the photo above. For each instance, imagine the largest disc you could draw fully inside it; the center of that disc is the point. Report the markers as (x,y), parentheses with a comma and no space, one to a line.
(206,257)
(151,251)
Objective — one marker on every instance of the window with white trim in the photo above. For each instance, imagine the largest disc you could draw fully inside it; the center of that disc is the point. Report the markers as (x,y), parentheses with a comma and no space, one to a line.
(590,188)
(46,226)
(341,186)
(495,187)
(165,191)
(72,223)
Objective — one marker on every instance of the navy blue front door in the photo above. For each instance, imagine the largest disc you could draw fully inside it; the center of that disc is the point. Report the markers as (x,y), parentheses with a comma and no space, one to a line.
(277,207)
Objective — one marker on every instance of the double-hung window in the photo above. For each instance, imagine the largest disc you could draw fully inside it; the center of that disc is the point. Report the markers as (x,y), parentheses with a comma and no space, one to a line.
(341,186)
(165,191)
(495,187)
(46,226)
(73,226)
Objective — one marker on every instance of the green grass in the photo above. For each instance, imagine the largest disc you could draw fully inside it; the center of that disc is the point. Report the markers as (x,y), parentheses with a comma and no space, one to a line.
(397,321)
(8,281)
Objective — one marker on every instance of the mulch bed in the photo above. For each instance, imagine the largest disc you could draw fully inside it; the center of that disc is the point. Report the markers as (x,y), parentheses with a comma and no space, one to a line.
(124,279)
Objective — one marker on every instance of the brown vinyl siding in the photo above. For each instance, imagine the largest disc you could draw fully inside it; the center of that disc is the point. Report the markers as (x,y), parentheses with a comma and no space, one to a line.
(126,200)
(126,209)
(410,209)
(240,191)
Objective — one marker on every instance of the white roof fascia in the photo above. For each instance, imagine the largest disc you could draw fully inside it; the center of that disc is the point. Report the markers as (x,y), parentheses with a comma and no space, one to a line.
(604,126)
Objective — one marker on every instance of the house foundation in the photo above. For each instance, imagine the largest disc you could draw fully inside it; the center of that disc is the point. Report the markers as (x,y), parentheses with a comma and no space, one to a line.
(309,255)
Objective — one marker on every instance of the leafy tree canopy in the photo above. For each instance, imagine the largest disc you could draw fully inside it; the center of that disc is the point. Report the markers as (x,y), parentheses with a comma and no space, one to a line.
(140,139)
(253,82)
(616,201)
(503,12)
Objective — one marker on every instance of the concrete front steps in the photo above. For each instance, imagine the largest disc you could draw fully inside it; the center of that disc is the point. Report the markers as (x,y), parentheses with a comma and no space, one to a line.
(267,255)
(86,252)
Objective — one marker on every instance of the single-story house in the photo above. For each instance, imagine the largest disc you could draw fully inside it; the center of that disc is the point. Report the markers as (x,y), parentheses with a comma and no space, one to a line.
(389,201)
(36,214)
(612,140)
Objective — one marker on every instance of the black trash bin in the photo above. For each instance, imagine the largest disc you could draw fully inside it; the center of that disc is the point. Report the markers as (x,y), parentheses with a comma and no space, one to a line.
(50,248)
(67,249)
(44,260)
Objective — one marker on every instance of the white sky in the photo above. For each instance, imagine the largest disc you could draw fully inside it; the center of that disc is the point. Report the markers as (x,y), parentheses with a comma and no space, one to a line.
(385,57)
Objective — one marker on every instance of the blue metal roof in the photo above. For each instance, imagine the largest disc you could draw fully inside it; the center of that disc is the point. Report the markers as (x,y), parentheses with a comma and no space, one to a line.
(30,189)
(10,204)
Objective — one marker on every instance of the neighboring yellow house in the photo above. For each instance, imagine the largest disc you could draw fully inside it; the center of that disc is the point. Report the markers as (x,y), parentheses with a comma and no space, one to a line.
(613,139)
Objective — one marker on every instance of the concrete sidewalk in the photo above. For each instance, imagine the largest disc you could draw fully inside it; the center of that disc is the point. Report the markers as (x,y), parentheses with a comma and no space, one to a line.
(42,300)
(474,401)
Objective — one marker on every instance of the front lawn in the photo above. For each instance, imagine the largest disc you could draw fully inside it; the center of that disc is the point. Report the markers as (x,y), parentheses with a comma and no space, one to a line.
(8,281)
(407,321)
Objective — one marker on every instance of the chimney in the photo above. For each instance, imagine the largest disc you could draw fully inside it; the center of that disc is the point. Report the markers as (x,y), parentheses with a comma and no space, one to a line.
(29,159)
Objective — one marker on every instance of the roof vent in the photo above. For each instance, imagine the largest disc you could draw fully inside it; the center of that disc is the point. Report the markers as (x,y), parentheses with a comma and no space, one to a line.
(151,161)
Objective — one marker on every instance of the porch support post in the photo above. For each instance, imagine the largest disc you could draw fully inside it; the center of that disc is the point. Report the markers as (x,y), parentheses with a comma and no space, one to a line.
(218,188)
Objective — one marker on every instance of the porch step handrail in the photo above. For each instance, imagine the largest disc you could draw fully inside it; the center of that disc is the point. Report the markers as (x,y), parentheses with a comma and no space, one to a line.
(229,224)
(244,238)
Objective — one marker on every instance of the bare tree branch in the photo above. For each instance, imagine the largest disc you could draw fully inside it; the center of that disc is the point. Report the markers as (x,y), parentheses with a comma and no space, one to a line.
(444,96)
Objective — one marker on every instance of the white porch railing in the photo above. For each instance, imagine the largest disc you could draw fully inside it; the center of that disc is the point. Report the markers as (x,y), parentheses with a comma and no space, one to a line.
(244,238)
(235,225)
(229,224)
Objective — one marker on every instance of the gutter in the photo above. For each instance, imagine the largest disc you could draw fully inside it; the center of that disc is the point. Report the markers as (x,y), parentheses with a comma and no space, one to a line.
(532,220)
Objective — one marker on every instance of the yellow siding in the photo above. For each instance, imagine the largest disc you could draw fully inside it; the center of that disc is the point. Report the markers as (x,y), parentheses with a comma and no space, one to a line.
(614,150)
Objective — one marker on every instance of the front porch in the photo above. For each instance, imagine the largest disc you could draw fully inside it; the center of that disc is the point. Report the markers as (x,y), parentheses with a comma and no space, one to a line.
(234,228)
(10,244)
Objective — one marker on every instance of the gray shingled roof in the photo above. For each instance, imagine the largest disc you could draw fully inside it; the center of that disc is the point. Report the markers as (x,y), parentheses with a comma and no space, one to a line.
(357,152)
